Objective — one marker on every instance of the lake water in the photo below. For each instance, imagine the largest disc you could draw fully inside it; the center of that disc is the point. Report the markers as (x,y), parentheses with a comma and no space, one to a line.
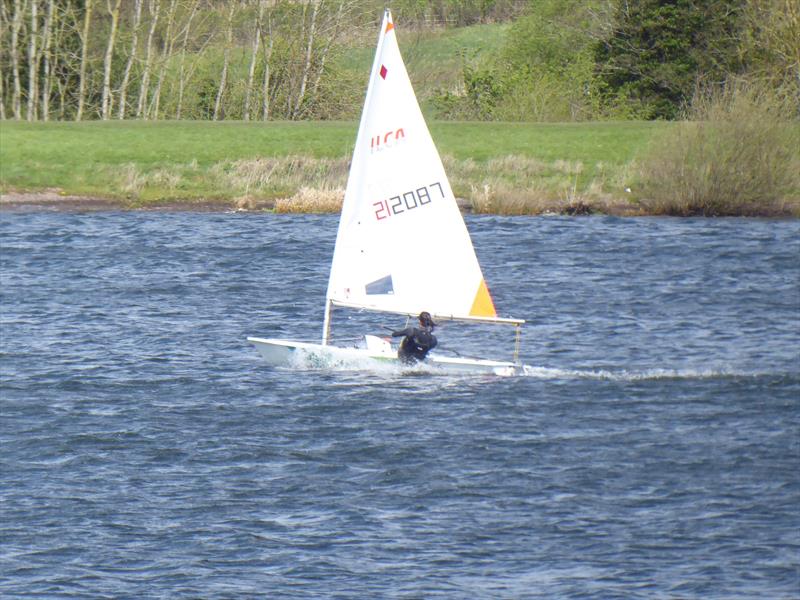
(651,450)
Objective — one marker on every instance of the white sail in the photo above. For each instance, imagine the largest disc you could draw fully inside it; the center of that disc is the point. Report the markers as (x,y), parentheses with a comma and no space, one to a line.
(402,245)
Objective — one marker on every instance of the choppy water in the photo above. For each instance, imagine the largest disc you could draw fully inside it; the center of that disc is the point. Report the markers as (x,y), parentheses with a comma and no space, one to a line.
(651,451)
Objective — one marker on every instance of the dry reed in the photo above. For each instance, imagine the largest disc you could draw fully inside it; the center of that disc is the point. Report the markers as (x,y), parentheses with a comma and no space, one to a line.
(510,185)
(311,200)
(133,182)
(268,175)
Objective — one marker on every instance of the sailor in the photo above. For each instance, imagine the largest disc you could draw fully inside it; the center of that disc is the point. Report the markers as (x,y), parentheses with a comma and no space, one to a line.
(418,341)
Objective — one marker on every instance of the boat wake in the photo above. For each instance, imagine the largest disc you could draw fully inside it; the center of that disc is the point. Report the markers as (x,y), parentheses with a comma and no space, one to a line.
(625,375)
(314,361)
(310,361)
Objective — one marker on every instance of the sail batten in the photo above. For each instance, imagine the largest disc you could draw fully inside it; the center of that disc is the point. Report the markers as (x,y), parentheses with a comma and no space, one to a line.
(402,245)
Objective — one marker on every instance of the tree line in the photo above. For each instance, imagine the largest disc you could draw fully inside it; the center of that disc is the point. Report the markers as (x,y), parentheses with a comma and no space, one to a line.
(282,59)
(152,59)
(196,59)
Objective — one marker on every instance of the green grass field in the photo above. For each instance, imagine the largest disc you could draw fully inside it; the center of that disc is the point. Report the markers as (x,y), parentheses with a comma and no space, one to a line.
(146,162)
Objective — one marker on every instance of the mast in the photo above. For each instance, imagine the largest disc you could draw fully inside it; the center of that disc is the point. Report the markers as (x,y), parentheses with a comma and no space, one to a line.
(326,322)
(387,17)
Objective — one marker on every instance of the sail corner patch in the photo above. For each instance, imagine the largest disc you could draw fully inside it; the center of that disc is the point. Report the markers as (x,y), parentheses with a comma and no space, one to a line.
(483,306)
(380,286)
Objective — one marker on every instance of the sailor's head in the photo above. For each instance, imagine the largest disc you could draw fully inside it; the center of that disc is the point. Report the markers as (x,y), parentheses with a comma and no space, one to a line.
(425,319)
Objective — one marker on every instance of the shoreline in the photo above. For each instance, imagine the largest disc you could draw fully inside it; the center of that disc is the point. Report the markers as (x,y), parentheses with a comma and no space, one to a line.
(54,201)
(51,200)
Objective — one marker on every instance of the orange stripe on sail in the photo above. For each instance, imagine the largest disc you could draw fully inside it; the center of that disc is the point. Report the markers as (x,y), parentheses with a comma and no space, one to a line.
(483,306)
(389,27)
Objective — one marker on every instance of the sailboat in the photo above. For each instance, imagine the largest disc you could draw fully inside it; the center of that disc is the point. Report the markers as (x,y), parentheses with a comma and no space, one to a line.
(402,246)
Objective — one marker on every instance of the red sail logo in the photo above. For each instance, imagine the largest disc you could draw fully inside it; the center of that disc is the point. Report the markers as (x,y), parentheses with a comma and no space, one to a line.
(386,140)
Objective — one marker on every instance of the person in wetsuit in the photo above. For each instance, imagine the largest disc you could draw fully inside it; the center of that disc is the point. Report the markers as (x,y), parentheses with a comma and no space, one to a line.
(418,341)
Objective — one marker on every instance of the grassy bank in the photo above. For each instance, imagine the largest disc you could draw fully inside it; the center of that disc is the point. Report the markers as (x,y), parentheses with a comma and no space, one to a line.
(522,167)
(508,168)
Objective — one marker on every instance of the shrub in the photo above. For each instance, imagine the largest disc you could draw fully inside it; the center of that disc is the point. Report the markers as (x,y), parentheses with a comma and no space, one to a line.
(737,154)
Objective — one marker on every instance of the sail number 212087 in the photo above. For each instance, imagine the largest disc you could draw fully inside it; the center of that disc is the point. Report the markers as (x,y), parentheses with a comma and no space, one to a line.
(406,201)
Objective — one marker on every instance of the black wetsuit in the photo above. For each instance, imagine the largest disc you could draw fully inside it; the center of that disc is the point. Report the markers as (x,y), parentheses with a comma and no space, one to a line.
(416,343)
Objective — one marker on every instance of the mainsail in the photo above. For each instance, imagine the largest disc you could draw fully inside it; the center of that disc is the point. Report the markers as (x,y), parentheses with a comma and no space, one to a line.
(402,245)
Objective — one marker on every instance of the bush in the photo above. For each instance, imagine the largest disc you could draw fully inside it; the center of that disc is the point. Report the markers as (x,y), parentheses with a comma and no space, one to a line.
(738,153)
(649,61)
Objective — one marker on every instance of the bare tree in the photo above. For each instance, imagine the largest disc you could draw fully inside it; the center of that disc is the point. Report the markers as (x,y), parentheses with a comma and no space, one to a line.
(166,55)
(65,24)
(113,10)
(333,34)
(253,59)
(3,28)
(16,25)
(154,8)
(773,43)
(184,44)
(33,61)
(87,19)
(295,110)
(47,71)
(226,59)
(265,98)
(2,88)
(123,89)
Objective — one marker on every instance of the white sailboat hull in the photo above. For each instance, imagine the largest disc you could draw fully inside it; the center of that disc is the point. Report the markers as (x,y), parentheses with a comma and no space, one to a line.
(287,353)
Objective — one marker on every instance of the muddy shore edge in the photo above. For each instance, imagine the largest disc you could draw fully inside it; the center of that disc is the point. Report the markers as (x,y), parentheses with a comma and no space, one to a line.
(50,200)
(55,201)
